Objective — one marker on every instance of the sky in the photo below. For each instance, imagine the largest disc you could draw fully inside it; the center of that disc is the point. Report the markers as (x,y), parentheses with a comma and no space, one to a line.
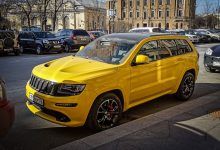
(200,5)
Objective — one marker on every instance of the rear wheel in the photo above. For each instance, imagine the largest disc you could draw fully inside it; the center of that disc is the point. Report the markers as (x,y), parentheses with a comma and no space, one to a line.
(186,87)
(105,112)
(17,52)
(67,48)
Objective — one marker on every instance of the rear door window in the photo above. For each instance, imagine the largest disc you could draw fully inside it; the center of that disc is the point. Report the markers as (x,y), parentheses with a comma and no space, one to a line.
(183,47)
(171,46)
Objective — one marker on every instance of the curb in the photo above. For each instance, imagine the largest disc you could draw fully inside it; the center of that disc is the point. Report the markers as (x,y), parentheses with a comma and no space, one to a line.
(115,133)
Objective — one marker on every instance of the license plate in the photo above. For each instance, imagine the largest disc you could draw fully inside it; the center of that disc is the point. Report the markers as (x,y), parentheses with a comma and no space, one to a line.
(57,46)
(38,101)
(215,63)
(83,39)
(31,97)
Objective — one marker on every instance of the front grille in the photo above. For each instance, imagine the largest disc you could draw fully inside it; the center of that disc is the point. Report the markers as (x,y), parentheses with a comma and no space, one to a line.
(41,85)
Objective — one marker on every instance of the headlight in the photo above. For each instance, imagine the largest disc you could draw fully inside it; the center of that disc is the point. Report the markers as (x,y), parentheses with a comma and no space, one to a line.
(209,52)
(45,41)
(69,89)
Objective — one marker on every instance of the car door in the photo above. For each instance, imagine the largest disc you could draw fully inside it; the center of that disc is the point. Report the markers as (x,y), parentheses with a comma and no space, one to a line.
(30,41)
(145,78)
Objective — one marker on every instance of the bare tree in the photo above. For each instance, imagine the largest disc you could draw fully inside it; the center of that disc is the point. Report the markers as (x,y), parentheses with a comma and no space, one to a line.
(26,7)
(207,8)
(56,5)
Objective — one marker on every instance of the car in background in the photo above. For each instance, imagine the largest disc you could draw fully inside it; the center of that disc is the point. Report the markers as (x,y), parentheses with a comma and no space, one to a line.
(73,38)
(111,75)
(194,38)
(212,59)
(7,112)
(96,34)
(145,30)
(39,42)
(215,34)
(8,42)
(203,38)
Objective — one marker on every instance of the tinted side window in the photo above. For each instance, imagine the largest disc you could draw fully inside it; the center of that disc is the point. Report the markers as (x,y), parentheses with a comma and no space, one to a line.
(171,45)
(183,47)
(150,49)
(164,52)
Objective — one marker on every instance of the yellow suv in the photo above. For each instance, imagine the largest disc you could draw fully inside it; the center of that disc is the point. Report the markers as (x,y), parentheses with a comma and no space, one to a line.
(110,75)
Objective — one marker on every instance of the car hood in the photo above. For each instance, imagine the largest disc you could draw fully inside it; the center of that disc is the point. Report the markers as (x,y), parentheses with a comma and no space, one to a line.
(73,69)
(216,51)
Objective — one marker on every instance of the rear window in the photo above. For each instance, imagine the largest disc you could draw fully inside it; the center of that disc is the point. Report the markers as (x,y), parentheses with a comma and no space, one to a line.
(4,35)
(80,32)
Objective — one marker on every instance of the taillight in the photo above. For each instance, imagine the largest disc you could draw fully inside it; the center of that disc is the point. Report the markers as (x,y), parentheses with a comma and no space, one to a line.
(74,37)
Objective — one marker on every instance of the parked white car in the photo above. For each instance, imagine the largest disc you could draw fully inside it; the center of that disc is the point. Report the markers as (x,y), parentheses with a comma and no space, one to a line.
(214,34)
(193,38)
(145,29)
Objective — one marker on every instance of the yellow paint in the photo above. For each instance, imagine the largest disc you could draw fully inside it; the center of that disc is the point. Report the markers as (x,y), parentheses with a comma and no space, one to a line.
(138,84)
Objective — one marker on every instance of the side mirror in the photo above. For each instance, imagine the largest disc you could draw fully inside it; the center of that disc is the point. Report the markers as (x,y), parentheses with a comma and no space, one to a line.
(141,59)
(81,47)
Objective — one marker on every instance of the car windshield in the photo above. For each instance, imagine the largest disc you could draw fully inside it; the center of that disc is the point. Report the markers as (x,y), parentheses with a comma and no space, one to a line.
(111,50)
(44,35)
(139,30)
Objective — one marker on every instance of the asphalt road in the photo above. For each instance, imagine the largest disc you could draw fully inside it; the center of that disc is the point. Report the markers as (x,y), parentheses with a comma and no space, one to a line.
(32,132)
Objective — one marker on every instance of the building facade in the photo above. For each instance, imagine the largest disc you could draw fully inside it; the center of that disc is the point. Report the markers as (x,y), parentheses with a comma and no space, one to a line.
(74,14)
(167,14)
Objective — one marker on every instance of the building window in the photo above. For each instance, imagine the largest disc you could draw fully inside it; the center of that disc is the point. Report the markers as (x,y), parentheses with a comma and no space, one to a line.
(130,14)
(180,2)
(137,14)
(160,2)
(181,25)
(137,25)
(145,2)
(145,15)
(160,13)
(130,3)
(176,25)
(159,25)
(152,2)
(152,13)
(144,25)
(168,13)
(123,15)
(180,13)
(152,25)
(168,2)
(138,3)
(123,3)
(167,26)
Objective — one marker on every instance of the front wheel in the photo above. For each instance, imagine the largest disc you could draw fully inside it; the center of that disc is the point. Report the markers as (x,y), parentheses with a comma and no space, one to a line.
(105,112)
(208,69)
(39,50)
(186,87)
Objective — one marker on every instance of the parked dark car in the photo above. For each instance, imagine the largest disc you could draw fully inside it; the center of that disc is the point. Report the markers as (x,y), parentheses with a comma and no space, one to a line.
(39,42)
(96,34)
(8,43)
(73,38)
(7,112)
(212,59)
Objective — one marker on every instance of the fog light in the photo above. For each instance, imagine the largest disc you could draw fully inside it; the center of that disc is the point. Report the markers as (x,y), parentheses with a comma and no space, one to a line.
(66,104)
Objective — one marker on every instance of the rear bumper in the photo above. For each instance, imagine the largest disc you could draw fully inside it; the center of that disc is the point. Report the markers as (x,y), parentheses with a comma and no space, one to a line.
(7,115)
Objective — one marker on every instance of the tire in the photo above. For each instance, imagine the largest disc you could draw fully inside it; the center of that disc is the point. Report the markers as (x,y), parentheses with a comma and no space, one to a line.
(105,112)
(186,87)
(21,48)
(208,69)
(17,52)
(67,48)
(39,50)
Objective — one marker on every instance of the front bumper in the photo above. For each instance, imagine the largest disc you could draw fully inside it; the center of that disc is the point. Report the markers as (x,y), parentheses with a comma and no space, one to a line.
(212,62)
(67,116)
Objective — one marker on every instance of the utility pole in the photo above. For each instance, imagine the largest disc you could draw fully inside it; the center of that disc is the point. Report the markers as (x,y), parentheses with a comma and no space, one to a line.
(113,19)
(218,14)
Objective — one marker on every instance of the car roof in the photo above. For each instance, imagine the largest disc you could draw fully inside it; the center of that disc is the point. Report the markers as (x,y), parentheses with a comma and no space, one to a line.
(136,36)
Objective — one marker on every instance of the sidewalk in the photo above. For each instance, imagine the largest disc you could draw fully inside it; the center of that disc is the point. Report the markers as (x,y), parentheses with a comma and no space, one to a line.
(191,125)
